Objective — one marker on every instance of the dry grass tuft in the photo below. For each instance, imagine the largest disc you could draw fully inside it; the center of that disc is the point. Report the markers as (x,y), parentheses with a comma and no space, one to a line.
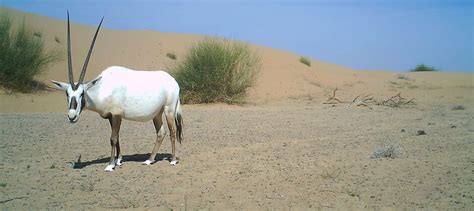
(389,150)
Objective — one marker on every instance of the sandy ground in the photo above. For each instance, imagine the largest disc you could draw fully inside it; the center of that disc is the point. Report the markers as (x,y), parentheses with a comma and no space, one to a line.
(284,149)
(305,155)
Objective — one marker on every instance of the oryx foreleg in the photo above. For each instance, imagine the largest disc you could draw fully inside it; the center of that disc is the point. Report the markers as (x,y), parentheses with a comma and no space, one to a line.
(115,122)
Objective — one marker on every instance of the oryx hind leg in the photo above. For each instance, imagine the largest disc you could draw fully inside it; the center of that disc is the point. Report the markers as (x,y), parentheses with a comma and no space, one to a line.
(170,119)
(118,153)
(160,135)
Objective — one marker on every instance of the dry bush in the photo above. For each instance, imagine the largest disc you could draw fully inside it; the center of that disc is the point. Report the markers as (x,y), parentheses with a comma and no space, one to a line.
(368,100)
(389,150)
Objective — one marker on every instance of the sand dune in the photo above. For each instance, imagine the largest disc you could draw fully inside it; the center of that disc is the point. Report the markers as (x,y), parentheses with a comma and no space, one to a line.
(282,76)
(284,149)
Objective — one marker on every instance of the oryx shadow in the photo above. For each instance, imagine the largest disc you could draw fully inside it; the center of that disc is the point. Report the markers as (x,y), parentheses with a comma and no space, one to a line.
(125,159)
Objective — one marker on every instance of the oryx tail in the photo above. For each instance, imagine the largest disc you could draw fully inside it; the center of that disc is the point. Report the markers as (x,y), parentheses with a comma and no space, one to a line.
(179,122)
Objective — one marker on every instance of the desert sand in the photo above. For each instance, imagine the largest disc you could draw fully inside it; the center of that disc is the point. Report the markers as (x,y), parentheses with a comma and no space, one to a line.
(286,148)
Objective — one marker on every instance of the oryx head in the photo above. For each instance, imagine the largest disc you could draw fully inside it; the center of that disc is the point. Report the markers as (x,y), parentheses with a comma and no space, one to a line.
(75,91)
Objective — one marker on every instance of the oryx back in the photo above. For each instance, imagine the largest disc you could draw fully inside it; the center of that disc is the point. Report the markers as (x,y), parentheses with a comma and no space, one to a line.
(132,94)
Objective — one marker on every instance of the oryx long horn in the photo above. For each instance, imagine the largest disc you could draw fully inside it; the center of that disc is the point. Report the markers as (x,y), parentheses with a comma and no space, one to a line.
(69,59)
(84,67)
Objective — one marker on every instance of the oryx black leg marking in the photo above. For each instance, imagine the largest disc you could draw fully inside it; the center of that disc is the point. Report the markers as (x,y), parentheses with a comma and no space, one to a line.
(114,137)
(118,155)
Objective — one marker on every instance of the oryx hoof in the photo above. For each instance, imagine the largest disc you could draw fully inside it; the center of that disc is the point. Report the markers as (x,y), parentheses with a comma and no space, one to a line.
(109,168)
(174,162)
(118,162)
(147,162)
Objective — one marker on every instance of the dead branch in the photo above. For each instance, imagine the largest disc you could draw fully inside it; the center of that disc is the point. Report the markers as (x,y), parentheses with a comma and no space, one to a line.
(364,101)
(7,200)
(368,100)
(397,101)
(333,99)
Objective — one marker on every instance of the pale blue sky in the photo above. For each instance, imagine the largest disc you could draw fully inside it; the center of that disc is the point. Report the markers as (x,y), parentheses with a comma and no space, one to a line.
(361,34)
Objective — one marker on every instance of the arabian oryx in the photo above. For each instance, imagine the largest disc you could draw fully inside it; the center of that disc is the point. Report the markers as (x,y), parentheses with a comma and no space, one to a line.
(120,93)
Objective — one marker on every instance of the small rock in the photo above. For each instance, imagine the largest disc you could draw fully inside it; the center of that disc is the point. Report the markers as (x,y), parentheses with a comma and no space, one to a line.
(458,107)
(420,132)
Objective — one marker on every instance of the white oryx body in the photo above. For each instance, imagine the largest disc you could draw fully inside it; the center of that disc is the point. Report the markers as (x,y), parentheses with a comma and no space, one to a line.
(121,93)
(134,95)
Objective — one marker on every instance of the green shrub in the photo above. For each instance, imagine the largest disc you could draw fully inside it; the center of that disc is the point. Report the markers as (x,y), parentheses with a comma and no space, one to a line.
(305,61)
(423,68)
(22,56)
(217,70)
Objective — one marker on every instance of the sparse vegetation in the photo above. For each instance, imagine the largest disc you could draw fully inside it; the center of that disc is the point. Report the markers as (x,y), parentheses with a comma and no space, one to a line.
(397,101)
(330,174)
(171,56)
(22,56)
(389,150)
(3,185)
(368,100)
(217,70)
(132,201)
(305,61)
(423,68)
(87,186)
(458,107)
(403,77)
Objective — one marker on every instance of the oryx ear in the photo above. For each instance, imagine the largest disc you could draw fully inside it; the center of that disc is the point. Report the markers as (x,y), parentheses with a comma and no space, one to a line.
(60,85)
(92,83)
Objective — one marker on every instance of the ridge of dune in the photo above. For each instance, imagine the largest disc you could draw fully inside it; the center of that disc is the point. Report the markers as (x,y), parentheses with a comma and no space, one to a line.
(282,77)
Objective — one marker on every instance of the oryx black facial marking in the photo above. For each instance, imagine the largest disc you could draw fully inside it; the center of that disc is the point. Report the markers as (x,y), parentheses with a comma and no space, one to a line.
(83,101)
(74,101)
(75,91)
(73,104)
